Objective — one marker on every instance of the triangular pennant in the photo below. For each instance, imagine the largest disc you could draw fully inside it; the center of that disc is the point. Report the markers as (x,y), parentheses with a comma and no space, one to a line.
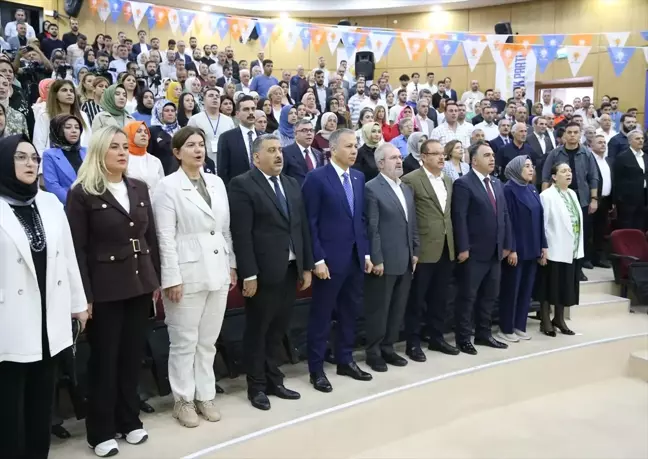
(363,37)
(202,23)
(473,51)
(94,5)
(620,56)
(380,43)
(508,51)
(264,31)
(186,19)
(116,7)
(429,47)
(545,55)
(414,44)
(495,42)
(150,17)
(305,37)
(645,50)
(222,26)
(174,20)
(103,10)
(526,40)
(333,37)
(160,15)
(617,39)
(247,26)
(582,39)
(447,49)
(127,12)
(576,55)
(318,35)
(235,28)
(555,41)
(644,35)
(290,35)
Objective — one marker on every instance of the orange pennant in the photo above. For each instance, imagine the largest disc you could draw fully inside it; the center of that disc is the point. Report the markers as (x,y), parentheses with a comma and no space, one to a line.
(317,38)
(94,5)
(508,52)
(582,39)
(364,34)
(127,11)
(413,45)
(235,28)
(525,40)
(161,15)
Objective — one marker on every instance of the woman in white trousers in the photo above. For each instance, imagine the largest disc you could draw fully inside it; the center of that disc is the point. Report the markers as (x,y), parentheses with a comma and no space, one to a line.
(198,270)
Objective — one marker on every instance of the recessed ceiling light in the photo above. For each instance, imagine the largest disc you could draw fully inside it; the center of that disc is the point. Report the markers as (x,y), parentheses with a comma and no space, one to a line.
(435,8)
(206,8)
(283,15)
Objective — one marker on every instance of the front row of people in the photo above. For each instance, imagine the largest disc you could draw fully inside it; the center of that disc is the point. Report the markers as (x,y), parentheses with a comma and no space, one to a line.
(118,249)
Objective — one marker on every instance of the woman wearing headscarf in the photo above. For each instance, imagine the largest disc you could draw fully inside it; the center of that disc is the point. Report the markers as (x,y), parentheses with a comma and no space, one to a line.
(310,104)
(366,116)
(41,294)
(260,121)
(113,106)
(173,92)
(164,123)
(141,164)
(265,105)
(365,162)
(144,111)
(193,86)
(287,122)
(528,248)
(61,162)
(329,126)
(14,121)
(413,160)
(80,71)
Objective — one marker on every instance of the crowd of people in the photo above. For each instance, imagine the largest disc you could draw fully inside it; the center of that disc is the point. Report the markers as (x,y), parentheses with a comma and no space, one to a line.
(130,174)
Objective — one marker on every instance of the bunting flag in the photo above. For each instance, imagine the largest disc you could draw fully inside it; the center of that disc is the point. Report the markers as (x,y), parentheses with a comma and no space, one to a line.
(234,27)
(317,35)
(186,20)
(545,55)
(644,35)
(138,10)
(351,40)
(246,25)
(508,51)
(526,41)
(222,25)
(583,39)
(447,49)
(495,41)
(116,7)
(94,5)
(305,36)
(202,23)
(617,39)
(473,51)
(620,56)
(363,38)
(174,20)
(645,50)
(150,17)
(333,37)
(381,43)
(159,15)
(127,12)
(576,55)
(103,10)
(555,41)
(264,31)
(414,44)
(429,47)
(291,33)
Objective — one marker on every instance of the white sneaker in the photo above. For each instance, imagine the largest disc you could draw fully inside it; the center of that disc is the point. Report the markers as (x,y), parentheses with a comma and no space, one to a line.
(137,436)
(522,335)
(185,413)
(510,337)
(208,409)
(107,448)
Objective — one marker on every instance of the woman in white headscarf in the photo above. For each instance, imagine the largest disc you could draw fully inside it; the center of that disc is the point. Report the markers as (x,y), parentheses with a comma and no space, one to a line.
(194,87)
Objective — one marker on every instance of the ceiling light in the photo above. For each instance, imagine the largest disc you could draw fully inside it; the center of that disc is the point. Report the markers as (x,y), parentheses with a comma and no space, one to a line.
(283,15)
(435,8)
(206,8)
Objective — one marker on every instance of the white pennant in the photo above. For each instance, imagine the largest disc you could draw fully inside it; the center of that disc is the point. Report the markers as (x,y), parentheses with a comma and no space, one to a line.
(138,11)
(473,51)
(333,37)
(410,45)
(247,26)
(379,42)
(576,55)
(103,10)
(290,35)
(493,43)
(174,20)
(645,50)
(617,39)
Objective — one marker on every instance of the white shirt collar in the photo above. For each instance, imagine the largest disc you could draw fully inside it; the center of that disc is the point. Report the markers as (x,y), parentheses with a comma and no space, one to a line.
(637,153)
(246,130)
(269,177)
(432,176)
(480,176)
(338,170)
(392,183)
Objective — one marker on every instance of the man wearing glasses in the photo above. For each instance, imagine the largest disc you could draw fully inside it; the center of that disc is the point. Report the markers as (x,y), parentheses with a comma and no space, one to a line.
(300,158)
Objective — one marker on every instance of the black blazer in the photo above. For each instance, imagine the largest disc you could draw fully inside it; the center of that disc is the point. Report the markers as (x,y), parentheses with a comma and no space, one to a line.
(628,179)
(432,115)
(452,94)
(160,147)
(534,143)
(366,163)
(232,155)
(221,82)
(117,251)
(410,164)
(262,233)
(497,143)
(294,163)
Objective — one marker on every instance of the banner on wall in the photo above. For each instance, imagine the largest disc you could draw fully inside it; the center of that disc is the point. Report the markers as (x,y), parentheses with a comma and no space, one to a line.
(521,72)
(620,57)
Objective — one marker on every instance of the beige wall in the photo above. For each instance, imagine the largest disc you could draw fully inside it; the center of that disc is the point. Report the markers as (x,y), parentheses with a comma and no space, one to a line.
(537,16)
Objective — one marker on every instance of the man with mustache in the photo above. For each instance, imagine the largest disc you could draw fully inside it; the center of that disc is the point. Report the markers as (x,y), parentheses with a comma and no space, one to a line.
(273,253)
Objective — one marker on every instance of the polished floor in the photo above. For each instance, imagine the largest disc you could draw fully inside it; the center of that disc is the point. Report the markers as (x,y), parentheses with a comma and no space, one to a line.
(563,397)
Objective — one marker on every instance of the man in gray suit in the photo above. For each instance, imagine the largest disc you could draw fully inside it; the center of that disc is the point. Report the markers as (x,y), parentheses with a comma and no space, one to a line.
(393,238)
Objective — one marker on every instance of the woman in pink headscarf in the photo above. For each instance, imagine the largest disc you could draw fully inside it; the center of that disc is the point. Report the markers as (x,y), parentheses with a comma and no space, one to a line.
(406,112)
(43,90)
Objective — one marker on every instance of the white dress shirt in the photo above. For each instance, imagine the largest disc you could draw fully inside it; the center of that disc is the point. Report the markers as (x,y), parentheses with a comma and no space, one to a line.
(146,168)
(491,131)
(395,185)
(547,109)
(481,179)
(444,133)
(606,177)
(310,154)
(425,126)
(395,111)
(320,92)
(438,185)
(432,88)
(541,140)
(10,31)
(245,131)
(639,157)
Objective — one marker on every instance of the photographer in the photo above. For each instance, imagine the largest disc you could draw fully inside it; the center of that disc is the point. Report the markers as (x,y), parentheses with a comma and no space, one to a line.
(103,61)
(32,67)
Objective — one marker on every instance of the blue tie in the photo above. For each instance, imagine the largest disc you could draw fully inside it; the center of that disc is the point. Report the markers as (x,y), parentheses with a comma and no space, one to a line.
(348,190)
(283,204)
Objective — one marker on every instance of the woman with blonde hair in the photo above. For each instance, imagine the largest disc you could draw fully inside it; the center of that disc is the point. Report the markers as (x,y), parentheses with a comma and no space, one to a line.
(275,96)
(114,235)
(310,105)
(113,105)
(86,89)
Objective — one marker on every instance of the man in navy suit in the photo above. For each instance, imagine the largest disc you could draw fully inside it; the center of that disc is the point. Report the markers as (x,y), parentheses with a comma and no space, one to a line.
(452,94)
(503,138)
(299,157)
(334,198)
(482,234)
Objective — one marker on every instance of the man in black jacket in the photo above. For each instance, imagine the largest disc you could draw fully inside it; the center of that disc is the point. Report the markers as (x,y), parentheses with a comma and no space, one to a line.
(630,174)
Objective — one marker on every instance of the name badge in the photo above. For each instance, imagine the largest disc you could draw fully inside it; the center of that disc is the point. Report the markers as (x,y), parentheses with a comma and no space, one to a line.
(214,146)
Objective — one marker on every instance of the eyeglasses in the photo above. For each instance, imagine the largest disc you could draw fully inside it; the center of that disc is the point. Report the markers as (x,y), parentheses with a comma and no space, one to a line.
(306,131)
(21,157)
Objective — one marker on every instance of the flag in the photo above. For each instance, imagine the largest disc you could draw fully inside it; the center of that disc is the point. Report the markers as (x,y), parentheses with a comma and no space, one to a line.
(333,37)
(583,39)
(495,41)
(158,15)
(103,10)
(201,23)
(447,49)
(429,47)
(576,55)
(620,56)
(116,7)
(235,28)
(525,40)
(291,33)
(350,41)
(317,35)
(94,5)
(554,41)
(508,52)
(264,31)
(127,12)
(645,50)
(414,44)
(305,36)
(617,39)
(186,19)
(545,55)
(380,43)
(644,35)
(247,25)
(473,51)
(222,26)
(138,10)
(174,20)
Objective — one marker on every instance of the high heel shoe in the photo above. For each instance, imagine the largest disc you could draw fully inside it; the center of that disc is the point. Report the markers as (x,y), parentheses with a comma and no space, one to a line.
(546,331)
(564,329)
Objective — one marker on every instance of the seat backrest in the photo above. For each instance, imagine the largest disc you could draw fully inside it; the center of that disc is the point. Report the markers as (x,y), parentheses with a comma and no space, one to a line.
(629,242)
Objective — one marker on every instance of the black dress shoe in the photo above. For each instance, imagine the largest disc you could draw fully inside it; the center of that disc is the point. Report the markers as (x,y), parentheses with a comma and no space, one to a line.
(281,391)
(320,382)
(564,329)
(467,348)
(259,400)
(395,359)
(603,264)
(490,342)
(377,364)
(588,265)
(60,432)
(353,371)
(443,346)
(219,389)
(416,353)
(582,277)
(146,408)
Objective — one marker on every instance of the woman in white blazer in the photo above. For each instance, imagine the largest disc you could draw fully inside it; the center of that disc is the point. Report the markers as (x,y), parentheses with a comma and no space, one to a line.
(40,292)
(558,282)
(198,270)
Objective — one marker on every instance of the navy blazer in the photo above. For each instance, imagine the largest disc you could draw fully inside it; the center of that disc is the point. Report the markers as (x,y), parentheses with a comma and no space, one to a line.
(527,220)
(477,227)
(58,173)
(497,143)
(336,231)
(232,155)
(295,164)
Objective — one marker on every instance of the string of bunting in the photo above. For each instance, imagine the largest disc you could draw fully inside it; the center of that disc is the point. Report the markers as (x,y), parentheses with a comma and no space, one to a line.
(416,43)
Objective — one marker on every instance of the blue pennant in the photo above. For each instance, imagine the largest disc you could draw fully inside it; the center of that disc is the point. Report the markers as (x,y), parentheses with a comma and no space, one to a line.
(223,27)
(264,37)
(150,17)
(186,19)
(116,9)
(553,40)
(305,36)
(620,56)
(545,55)
(644,35)
(447,49)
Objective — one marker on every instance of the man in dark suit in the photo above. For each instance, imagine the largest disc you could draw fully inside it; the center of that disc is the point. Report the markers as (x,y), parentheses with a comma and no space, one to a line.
(299,157)
(273,254)
(433,198)
(538,139)
(504,137)
(334,196)
(482,238)
(619,143)
(227,77)
(517,147)
(601,218)
(630,174)
(452,94)
(394,246)
(235,145)
(141,45)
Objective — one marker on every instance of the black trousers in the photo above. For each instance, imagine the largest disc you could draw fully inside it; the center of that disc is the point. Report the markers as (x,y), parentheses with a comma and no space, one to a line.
(429,287)
(478,284)
(26,413)
(117,335)
(267,318)
(587,235)
(633,216)
(384,304)
(600,224)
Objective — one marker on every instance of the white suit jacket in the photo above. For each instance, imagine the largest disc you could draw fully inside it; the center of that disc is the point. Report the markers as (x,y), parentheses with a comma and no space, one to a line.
(558,226)
(20,298)
(195,240)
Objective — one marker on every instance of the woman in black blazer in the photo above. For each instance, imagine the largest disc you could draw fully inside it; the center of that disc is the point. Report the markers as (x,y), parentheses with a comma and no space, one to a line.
(365,162)
(164,123)
(413,160)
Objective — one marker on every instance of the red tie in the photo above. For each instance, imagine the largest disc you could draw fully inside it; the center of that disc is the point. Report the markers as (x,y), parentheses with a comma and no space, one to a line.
(309,163)
(491,196)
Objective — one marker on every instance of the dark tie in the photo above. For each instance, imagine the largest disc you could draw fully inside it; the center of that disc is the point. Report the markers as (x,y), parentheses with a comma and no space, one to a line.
(309,162)
(416,86)
(505,140)
(281,199)
(491,196)
(348,190)
(250,141)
